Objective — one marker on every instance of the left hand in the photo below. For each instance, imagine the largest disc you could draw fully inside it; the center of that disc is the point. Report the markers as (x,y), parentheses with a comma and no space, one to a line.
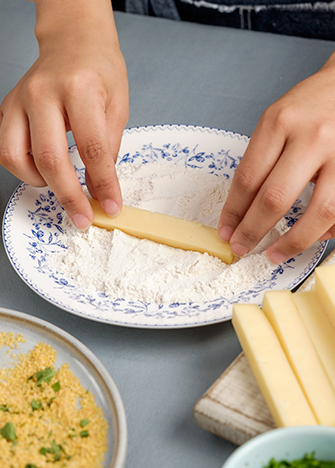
(293,143)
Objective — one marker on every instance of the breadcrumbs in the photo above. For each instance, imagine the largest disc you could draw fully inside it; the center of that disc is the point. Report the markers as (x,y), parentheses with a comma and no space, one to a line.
(10,340)
(47,419)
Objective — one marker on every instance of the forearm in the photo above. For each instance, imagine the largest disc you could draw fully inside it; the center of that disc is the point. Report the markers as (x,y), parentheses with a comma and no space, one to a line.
(330,64)
(58,20)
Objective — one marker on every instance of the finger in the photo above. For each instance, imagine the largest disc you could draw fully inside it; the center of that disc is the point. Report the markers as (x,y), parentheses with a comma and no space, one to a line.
(91,134)
(330,234)
(261,155)
(50,150)
(318,219)
(116,123)
(278,193)
(15,147)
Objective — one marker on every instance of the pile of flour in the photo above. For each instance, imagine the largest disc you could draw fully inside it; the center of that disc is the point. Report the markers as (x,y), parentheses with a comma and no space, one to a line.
(125,267)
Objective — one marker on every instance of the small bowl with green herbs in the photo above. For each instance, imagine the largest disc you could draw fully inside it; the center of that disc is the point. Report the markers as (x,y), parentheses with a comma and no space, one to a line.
(293,447)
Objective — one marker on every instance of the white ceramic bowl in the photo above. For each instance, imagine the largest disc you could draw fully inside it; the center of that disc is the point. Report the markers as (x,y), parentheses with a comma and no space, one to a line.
(284,443)
(84,364)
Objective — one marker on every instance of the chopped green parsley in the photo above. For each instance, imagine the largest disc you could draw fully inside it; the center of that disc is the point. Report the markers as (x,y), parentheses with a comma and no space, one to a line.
(43,376)
(308,461)
(8,432)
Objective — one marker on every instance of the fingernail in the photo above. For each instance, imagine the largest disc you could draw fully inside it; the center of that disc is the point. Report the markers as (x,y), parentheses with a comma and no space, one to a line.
(111,208)
(225,233)
(327,235)
(276,258)
(239,249)
(81,221)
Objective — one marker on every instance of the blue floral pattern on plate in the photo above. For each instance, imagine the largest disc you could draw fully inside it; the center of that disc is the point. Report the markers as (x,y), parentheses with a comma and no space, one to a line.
(33,221)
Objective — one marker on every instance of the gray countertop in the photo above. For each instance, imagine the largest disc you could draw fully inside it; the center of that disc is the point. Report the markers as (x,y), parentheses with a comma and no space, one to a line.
(179,73)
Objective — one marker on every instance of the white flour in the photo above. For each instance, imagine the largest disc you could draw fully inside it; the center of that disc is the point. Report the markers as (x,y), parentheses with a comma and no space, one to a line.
(122,266)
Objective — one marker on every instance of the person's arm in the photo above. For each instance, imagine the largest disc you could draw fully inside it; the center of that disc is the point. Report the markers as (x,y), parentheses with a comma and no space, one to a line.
(293,143)
(79,83)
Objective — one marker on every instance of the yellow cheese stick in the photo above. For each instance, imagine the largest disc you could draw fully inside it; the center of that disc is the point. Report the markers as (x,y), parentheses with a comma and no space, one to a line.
(325,289)
(280,309)
(269,364)
(164,229)
(319,328)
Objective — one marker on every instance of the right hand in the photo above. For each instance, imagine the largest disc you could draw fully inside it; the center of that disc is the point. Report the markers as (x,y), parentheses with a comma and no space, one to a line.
(78,83)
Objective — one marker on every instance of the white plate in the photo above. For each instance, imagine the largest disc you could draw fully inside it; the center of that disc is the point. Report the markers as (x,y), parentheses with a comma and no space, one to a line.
(32,222)
(84,364)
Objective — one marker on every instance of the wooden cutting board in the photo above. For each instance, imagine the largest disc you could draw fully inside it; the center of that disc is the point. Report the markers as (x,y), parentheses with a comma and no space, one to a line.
(233,406)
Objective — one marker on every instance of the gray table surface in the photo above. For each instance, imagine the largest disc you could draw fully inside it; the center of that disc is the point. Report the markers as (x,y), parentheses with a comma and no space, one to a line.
(179,73)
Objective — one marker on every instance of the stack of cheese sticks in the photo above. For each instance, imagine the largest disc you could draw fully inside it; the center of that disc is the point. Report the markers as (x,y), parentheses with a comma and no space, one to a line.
(290,347)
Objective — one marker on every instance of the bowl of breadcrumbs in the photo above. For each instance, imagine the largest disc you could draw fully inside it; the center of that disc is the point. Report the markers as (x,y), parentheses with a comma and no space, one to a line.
(59,406)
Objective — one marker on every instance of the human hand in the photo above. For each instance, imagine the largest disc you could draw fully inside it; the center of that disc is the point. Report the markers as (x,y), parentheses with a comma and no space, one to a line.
(293,143)
(78,83)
